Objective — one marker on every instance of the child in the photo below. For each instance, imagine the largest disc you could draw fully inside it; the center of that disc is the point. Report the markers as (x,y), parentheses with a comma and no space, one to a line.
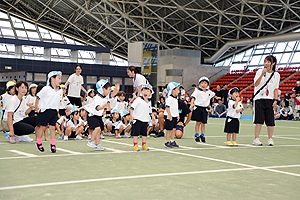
(153,126)
(171,114)
(110,123)
(61,121)
(248,103)
(64,102)
(90,97)
(286,113)
(74,126)
(296,90)
(10,91)
(140,116)
(232,124)
(121,104)
(124,127)
(49,98)
(39,88)
(201,98)
(83,114)
(95,116)
(31,97)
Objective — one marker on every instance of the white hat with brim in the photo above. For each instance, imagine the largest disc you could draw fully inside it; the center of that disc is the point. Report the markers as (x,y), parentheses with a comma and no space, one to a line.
(204,78)
(33,85)
(100,84)
(10,84)
(53,73)
(172,86)
(148,87)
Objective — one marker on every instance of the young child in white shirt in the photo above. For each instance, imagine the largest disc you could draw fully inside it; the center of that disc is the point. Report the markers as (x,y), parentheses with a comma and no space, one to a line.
(200,99)
(64,101)
(171,114)
(232,124)
(124,126)
(121,104)
(112,122)
(140,116)
(153,126)
(74,126)
(90,97)
(49,98)
(61,121)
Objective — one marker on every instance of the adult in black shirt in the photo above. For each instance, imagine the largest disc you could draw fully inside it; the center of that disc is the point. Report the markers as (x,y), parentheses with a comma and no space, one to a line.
(183,111)
(225,94)
(219,94)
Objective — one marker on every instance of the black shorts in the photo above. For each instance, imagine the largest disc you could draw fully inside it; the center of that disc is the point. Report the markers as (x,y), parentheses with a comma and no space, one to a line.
(75,101)
(232,125)
(95,121)
(73,134)
(169,125)
(263,112)
(49,116)
(200,115)
(62,112)
(139,128)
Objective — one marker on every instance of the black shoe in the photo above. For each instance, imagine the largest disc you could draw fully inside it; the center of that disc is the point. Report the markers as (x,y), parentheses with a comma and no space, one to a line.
(197,139)
(40,147)
(160,134)
(202,138)
(174,144)
(168,145)
(52,148)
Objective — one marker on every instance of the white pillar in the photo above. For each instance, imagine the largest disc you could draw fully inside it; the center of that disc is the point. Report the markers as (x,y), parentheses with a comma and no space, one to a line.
(18,51)
(47,54)
(74,56)
(102,58)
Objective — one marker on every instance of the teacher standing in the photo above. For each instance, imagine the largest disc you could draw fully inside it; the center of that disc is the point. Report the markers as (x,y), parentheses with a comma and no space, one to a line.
(265,101)
(138,80)
(75,82)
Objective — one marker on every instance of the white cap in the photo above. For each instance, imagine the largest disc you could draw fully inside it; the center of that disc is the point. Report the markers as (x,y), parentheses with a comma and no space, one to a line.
(204,78)
(100,84)
(124,113)
(148,86)
(172,86)
(9,84)
(33,85)
(53,73)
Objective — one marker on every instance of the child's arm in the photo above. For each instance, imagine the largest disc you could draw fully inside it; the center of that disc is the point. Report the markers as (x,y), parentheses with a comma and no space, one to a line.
(131,115)
(169,113)
(101,107)
(31,107)
(236,102)
(37,104)
(192,103)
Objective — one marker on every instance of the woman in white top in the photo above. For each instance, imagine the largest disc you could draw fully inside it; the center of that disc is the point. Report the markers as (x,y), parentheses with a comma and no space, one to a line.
(16,112)
(138,80)
(265,101)
(75,82)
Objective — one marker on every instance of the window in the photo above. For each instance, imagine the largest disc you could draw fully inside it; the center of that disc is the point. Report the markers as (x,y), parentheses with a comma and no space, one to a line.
(128,81)
(117,80)
(255,60)
(91,79)
(28,76)
(280,47)
(40,77)
(296,58)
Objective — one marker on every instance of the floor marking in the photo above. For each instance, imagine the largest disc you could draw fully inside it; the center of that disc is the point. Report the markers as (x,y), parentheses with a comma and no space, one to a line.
(270,168)
(68,151)
(212,145)
(184,147)
(115,150)
(23,153)
(288,138)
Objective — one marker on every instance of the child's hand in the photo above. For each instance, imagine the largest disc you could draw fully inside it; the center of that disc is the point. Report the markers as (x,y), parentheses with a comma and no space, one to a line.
(132,119)
(36,108)
(105,105)
(170,118)
(30,105)
(237,99)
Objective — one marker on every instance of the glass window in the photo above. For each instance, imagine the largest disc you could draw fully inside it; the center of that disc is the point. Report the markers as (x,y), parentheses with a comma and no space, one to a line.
(69,41)
(28,76)
(270,45)
(8,32)
(64,78)
(27,49)
(10,47)
(105,78)
(298,48)
(296,58)
(3,15)
(237,67)
(285,58)
(259,51)
(29,26)
(3,47)
(91,79)
(5,24)
(53,52)
(117,80)
(21,34)
(55,36)
(33,35)
(248,52)
(245,58)
(63,52)
(40,77)
(278,56)
(219,64)
(17,23)
(290,46)
(227,62)
(128,81)
(239,57)
(280,47)
(267,51)
(38,50)
(255,60)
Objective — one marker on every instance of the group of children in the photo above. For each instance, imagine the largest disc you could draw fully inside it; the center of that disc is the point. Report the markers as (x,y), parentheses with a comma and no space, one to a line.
(54,111)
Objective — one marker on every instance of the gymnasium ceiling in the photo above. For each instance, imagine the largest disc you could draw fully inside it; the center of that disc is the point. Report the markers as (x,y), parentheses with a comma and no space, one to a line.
(204,25)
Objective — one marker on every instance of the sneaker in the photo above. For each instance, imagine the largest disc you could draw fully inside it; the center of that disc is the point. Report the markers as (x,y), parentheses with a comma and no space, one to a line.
(126,135)
(148,136)
(136,148)
(197,139)
(25,138)
(234,143)
(90,136)
(78,137)
(52,148)
(160,134)
(101,136)
(174,144)
(270,142)
(257,142)
(61,137)
(145,147)
(168,145)
(99,147)
(202,138)
(229,143)
(109,134)
(40,147)
(66,138)
(14,139)
(91,144)
(6,135)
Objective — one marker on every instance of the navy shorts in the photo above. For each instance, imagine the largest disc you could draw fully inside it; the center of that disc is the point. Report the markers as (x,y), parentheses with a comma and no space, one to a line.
(232,125)
(263,112)
(49,116)
(200,115)
(95,121)
(139,128)
(169,125)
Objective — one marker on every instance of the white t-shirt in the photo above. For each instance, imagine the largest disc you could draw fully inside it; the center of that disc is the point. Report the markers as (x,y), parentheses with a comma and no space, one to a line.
(98,101)
(49,98)
(268,91)
(75,85)
(89,100)
(5,99)
(202,98)
(109,121)
(19,114)
(165,93)
(141,109)
(172,103)
(139,80)
(182,94)
(61,119)
(64,102)
(121,106)
(71,124)
(118,126)
(231,111)
(30,99)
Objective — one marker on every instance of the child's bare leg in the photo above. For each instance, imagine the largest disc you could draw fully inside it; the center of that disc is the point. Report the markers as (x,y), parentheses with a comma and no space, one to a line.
(144,139)
(46,134)
(149,128)
(173,134)
(202,127)
(57,126)
(39,131)
(197,126)
(228,136)
(233,136)
(79,130)
(109,127)
(135,139)
(68,131)
(94,134)
(156,128)
(97,135)
(161,120)
(168,135)
(52,132)
(118,133)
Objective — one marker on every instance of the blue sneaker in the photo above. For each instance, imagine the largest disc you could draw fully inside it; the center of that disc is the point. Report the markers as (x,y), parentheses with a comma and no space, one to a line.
(174,144)
(6,135)
(168,145)
(61,137)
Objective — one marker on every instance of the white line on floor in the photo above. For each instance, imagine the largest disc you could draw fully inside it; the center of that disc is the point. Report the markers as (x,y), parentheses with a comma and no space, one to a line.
(115,150)
(23,153)
(288,138)
(68,151)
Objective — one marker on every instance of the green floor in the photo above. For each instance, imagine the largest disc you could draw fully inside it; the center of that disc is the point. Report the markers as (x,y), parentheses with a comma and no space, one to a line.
(193,171)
